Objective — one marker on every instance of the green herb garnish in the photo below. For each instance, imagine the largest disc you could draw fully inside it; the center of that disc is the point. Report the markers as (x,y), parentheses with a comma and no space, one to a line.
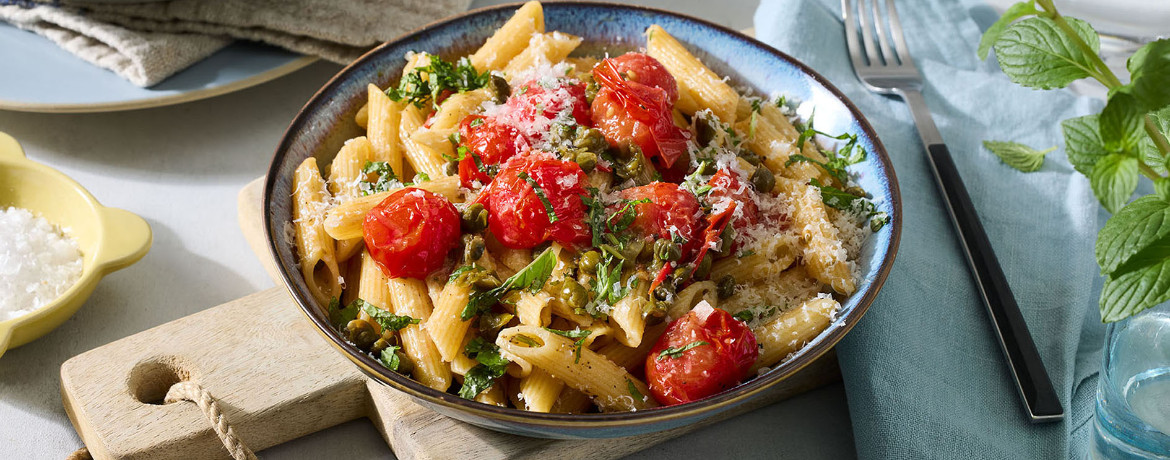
(579,334)
(430,81)
(1019,156)
(387,320)
(633,389)
(548,207)
(531,278)
(491,367)
(338,316)
(389,358)
(675,352)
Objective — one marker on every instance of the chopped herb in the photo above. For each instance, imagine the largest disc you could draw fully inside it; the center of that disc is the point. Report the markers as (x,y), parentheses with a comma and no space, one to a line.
(440,76)
(386,179)
(531,278)
(846,201)
(460,271)
(526,340)
(491,366)
(342,316)
(675,352)
(476,123)
(634,391)
(579,334)
(746,253)
(756,104)
(389,358)
(421,177)
(548,207)
(695,182)
(387,320)
(744,315)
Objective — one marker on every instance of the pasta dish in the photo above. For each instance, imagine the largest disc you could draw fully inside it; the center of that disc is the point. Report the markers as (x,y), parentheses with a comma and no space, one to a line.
(530,228)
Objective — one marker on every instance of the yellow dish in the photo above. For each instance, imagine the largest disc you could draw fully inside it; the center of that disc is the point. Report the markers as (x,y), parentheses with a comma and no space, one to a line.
(110,239)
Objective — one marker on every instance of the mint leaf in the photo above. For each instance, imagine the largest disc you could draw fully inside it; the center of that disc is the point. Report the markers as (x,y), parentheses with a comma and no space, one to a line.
(1162,188)
(1036,53)
(1129,294)
(1016,155)
(1114,179)
(1149,69)
(580,334)
(675,352)
(491,367)
(1121,123)
(338,316)
(389,358)
(633,389)
(1010,15)
(1135,236)
(1147,151)
(387,320)
(1082,142)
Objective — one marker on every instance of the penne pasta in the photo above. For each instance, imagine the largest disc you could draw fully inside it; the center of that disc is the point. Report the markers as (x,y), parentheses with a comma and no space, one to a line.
(540,390)
(317,258)
(446,328)
(542,49)
(344,173)
(704,89)
(533,309)
(385,118)
(511,38)
(408,297)
(789,332)
(823,253)
(610,386)
(423,158)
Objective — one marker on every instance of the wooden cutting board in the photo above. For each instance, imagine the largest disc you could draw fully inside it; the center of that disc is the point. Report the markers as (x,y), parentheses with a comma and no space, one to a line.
(277,379)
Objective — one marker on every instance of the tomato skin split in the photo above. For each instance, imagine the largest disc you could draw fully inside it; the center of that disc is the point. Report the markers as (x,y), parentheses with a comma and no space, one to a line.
(633,106)
(670,207)
(410,233)
(719,353)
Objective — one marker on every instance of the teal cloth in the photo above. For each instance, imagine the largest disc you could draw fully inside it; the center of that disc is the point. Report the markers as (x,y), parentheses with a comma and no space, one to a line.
(923,372)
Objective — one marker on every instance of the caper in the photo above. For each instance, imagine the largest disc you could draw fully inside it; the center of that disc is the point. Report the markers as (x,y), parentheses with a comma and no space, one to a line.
(704,268)
(483,280)
(633,250)
(665,249)
(572,294)
(451,168)
(361,333)
(591,89)
(679,277)
(655,309)
(589,261)
(750,157)
(475,218)
(763,180)
(663,292)
(856,191)
(726,240)
(705,130)
(499,89)
(706,168)
(561,132)
(383,343)
(591,139)
(586,160)
(405,365)
(726,287)
(473,249)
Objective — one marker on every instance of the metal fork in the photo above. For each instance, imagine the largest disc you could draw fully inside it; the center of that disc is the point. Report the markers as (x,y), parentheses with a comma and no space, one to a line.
(891,71)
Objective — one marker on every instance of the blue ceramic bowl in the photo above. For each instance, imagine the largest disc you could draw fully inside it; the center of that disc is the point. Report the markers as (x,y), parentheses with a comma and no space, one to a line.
(327,121)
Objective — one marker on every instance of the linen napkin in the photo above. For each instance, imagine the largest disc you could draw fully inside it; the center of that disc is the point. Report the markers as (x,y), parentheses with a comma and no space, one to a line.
(147,42)
(923,372)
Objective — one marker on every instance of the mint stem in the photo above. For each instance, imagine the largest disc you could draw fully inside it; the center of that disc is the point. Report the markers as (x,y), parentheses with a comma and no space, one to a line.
(1156,135)
(1103,74)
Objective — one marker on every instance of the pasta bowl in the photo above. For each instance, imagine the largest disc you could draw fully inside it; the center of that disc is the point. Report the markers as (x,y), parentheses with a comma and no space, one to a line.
(327,121)
(109,239)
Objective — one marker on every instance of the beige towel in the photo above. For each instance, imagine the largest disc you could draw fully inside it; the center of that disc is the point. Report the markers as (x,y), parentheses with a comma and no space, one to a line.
(337,30)
(144,58)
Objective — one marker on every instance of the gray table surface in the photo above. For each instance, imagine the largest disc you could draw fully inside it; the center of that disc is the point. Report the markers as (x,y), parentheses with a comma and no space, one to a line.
(181,167)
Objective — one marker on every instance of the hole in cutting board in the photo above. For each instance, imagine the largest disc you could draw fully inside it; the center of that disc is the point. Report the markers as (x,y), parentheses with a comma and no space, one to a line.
(150,380)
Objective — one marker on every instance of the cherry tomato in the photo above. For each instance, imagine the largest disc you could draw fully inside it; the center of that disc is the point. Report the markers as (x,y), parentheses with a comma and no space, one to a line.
(670,207)
(629,111)
(726,185)
(648,71)
(488,141)
(410,232)
(517,215)
(549,100)
(722,352)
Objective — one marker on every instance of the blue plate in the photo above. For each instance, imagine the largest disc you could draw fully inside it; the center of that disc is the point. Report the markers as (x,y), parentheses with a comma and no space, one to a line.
(39,76)
(327,120)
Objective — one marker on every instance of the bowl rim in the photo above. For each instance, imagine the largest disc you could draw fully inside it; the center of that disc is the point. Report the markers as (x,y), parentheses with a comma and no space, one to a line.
(710,405)
(104,258)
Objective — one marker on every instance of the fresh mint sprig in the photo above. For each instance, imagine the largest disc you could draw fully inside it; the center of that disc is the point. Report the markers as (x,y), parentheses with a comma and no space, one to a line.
(1039,48)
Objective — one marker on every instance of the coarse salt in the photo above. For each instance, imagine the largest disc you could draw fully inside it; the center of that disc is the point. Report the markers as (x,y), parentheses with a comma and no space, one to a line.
(37,262)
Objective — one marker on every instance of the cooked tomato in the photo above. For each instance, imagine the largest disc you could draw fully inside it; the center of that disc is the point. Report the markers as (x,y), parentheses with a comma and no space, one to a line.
(488,144)
(648,71)
(549,100)
(517,213)
(670,207)
(633,112)
(719,352)
(726,185)
(410,232)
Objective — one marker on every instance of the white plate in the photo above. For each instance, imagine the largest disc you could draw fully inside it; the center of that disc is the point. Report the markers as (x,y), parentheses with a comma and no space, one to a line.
(38,76)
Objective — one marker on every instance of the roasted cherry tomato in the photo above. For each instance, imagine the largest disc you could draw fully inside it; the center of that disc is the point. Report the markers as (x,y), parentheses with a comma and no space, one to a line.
(549,100)
(488,144)
(410,232)
(516,202)
(648,71)
(632,112)
(726,185)
(704,352)
(670,208)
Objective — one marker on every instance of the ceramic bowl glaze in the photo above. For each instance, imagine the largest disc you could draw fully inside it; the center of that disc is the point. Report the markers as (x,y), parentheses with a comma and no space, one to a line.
(327,121)
(109,239)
